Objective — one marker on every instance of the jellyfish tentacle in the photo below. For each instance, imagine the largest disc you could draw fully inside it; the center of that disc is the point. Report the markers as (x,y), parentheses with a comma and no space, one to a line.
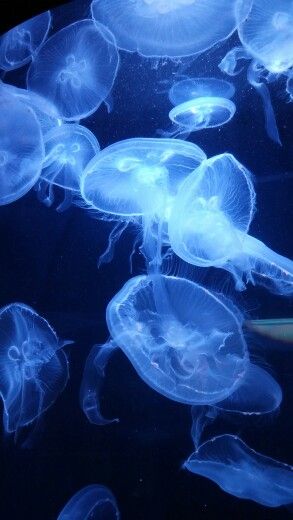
(229,63)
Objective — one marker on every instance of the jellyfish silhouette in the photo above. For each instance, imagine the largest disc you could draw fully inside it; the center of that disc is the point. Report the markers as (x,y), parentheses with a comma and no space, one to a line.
(68,149)
(21,43)
(243,472)
(209,225)
(21,149)
(34,369)
(183,340)
(156,28)
(75,69)
(136,180)
(95,501)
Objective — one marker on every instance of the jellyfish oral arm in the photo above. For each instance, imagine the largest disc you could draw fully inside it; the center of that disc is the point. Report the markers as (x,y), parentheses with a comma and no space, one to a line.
(229,63)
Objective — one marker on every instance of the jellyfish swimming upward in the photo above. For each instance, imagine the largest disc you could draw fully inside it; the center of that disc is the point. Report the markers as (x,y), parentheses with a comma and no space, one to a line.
(91,502)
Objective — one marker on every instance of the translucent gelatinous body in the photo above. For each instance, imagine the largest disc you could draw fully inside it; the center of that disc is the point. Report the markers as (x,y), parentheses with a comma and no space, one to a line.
(191,88)
(34,369)
(202,112)
(93,502)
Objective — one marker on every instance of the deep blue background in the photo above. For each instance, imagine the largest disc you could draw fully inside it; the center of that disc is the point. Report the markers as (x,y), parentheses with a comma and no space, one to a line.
(48,260)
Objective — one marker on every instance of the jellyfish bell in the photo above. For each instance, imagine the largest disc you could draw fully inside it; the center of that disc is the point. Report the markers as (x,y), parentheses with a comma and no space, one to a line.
(94,501)
(75,69)
(191,88)
(166,28)
(202,112)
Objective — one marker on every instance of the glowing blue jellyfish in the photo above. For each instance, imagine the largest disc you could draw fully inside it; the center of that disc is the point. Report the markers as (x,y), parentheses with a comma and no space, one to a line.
(34,369)
(184,342)
(191,88)
(209,226)
(136,180)
(20,44)
(68,149)
(243,472)
(21,149)
(170,28)
(94,502)
(75,69)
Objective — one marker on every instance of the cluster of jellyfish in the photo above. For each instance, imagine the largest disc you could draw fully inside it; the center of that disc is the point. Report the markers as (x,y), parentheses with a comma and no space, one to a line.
(184,340)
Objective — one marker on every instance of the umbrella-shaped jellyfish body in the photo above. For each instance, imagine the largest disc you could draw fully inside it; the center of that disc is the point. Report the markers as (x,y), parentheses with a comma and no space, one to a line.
(20,44)
(21,149)
(34,369)
(183,341)
(243,472)
(191,88)
(158,28)
(94,502)
(68,149)
(209,226)
(75,69)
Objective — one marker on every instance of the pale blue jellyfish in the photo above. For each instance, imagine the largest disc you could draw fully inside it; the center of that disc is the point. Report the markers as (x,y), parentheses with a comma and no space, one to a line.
(21,149)
(243,472)
(171,28)
(75,69)
(34,369)
(68,149)
(209,226)
(191,88)
(19,45)
(94,502)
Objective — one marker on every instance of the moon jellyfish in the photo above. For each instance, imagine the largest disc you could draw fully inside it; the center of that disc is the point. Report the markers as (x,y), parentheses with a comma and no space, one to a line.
(75,69)
(68,149)
(93,502)
(156,28)
(21,149)
(209,225)
(183,341)
(243,472)
(191,88)
(136,180)
(20,44)
(34,369)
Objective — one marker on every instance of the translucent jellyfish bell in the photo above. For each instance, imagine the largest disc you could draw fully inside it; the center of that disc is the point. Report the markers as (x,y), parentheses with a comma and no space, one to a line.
(75,69)
(34,369)
(94,502)
(158,28)
(183,341)
(191,88)
(209,226)
(200,113)
(19,45)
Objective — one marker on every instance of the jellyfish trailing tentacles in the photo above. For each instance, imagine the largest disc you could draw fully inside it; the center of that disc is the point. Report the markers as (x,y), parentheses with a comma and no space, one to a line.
(94,501)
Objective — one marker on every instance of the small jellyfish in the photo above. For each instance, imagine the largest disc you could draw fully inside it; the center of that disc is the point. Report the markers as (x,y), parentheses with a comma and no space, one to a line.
(34,368)
(93,502)
(170,28)
(191,88)
(21,149)
(68,149)
(75,69)
(183,340)
(209,225)
(243,472)
(19,45)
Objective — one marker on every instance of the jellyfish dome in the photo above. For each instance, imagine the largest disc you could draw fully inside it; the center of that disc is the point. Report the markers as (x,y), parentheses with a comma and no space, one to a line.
(94,502)
(183,341)
(21,149)
(202,112)
(171,28)
(75,69)
(19,45)
(34,369)
(191,88)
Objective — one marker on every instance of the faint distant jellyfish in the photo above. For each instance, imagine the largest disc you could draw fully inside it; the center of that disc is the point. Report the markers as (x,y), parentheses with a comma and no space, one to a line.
(136,180)
(34,369)
(157,28)
(75,69)
(209,225)
(183,341)
(93,502)
(19,45)
(68,149)
(21,149)
(243,472)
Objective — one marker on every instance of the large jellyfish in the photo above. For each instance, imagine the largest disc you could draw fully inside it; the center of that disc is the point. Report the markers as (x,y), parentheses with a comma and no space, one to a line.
(34,369)
(21,149)
(243,472)
(20,44)
(68,149)
(172,28)
(209,225)
(137,179)
(94,502)
(75,69)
